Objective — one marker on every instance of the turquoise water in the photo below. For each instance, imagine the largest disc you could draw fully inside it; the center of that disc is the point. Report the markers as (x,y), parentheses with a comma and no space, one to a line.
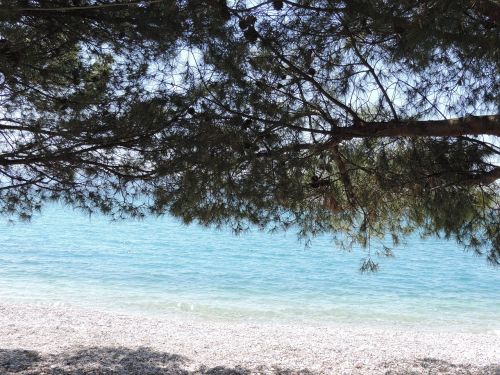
(159,266)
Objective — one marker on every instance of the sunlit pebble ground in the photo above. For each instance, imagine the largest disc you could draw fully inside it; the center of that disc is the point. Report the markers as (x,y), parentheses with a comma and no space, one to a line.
(60,340)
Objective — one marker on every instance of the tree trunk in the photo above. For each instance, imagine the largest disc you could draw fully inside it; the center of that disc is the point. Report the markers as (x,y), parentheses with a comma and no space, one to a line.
(473,125)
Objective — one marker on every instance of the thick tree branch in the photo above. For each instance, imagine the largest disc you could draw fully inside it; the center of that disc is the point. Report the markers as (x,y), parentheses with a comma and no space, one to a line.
(486,178)
(88,7)
(344,175)
(473,125)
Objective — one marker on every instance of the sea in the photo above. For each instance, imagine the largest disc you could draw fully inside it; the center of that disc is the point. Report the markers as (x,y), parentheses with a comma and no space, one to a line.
(159,266)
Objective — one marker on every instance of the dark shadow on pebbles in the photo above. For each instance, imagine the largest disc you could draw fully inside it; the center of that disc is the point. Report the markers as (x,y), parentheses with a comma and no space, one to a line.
(15,361)
(92,361)
(145,361)
(433,366)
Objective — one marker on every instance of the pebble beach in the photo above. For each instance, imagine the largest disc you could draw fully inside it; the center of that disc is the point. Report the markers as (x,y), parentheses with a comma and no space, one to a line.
(42,339)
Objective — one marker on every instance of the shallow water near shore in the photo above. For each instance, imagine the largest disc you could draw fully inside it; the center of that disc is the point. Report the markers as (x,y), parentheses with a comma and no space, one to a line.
(159,266)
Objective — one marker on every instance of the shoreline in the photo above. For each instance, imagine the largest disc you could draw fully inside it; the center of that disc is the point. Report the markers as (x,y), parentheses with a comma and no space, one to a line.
(35,338)
(224,316)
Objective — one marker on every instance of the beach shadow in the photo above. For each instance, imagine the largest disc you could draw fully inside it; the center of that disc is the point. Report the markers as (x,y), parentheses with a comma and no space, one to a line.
(94,360)
(433,366)
(145,361)
(17,360)
(111,361)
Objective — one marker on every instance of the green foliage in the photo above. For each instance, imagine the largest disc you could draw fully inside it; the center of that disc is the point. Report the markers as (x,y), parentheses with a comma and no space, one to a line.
(267,114)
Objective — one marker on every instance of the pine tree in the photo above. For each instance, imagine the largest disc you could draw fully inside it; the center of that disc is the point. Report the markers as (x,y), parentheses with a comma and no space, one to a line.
(367,120)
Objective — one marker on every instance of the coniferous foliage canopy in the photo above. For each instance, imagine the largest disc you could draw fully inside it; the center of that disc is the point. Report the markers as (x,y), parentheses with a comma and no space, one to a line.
(364,119)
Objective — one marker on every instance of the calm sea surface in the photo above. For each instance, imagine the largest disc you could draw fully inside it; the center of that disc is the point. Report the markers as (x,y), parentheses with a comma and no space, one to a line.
(159,266)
